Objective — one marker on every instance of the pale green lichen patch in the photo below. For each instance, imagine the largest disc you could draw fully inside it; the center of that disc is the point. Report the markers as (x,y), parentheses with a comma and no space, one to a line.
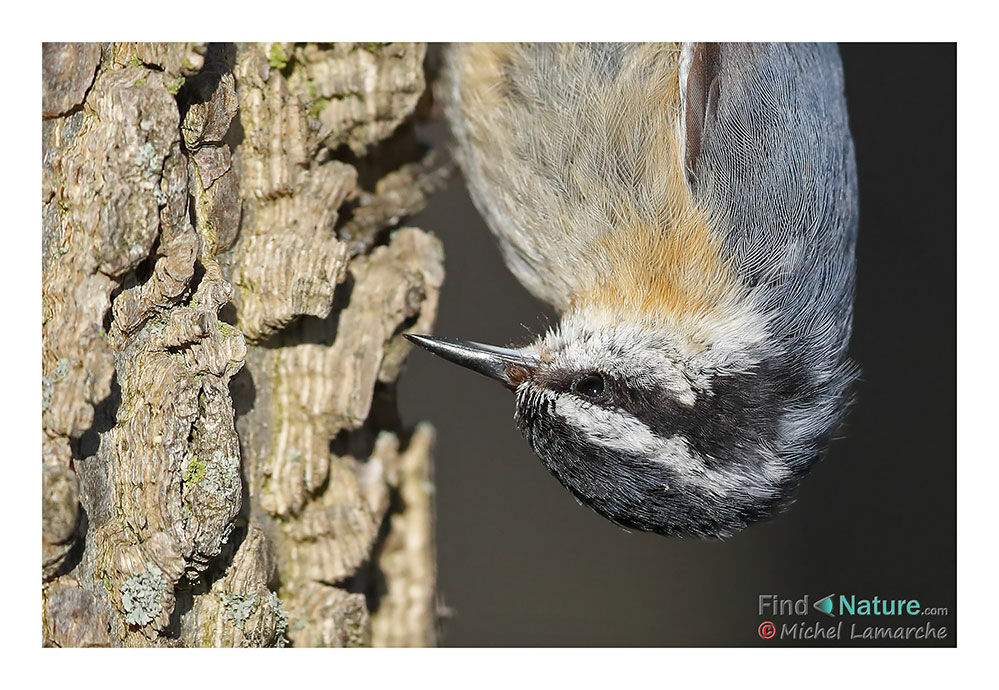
(238,608)
(221,475)
(195,471)
(281,627)
(142,596)
(174,86)
(57,374)
(277,57)
(318,106)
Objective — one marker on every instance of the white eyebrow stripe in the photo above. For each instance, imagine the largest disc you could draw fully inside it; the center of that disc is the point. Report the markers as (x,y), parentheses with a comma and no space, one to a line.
(575,345)
(584,333)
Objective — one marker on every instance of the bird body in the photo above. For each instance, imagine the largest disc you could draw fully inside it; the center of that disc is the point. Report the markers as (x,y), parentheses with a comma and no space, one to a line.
(690,210)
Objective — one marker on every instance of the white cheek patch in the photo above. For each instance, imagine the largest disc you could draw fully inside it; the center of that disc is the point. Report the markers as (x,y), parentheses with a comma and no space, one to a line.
(612,429)
(621,432)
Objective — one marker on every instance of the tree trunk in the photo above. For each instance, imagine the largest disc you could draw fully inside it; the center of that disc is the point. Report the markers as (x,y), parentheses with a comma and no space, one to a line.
(223,297)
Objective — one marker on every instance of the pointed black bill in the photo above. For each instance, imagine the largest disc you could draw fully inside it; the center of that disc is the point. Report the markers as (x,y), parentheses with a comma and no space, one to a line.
(510,367)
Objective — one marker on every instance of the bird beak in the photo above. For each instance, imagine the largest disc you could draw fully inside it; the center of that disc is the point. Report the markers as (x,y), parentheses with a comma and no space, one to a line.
(509,367)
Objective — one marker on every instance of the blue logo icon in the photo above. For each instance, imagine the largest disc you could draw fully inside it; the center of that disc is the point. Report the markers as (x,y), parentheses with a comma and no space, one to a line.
(825,605)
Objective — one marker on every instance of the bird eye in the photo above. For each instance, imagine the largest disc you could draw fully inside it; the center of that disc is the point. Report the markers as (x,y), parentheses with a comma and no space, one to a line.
(590,386)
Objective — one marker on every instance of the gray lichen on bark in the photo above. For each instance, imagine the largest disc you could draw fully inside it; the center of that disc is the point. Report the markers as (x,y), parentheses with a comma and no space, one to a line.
(225,287)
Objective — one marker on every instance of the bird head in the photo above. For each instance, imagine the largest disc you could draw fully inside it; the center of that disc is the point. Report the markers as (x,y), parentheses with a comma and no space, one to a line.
(653,430)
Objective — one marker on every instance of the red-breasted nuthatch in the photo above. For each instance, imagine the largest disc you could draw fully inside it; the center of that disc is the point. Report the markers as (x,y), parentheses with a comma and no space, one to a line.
(690,210)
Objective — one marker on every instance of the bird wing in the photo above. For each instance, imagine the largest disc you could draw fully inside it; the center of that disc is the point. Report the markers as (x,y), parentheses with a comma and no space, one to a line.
(768,147)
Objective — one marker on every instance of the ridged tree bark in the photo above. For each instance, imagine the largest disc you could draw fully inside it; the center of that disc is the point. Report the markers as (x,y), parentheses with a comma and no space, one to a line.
(224,294)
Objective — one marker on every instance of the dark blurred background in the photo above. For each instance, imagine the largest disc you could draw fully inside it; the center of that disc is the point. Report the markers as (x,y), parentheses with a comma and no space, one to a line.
(522,564)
